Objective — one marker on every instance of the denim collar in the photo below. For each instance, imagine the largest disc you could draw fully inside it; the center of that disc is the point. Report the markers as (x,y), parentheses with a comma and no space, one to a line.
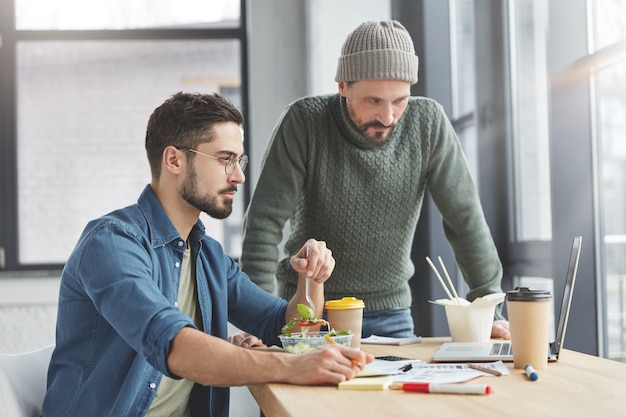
(161,228)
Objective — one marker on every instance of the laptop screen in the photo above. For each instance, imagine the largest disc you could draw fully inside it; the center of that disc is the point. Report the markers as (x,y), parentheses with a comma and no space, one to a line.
(567,293)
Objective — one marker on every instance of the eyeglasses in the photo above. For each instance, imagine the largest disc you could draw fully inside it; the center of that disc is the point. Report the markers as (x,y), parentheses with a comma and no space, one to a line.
(228,161)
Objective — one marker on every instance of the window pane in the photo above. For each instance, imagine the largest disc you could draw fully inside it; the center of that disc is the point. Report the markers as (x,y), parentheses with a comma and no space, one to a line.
(533,207)
(125,14)
(83,107)
(463,79)
(610,16)
(463,51)
(611,108)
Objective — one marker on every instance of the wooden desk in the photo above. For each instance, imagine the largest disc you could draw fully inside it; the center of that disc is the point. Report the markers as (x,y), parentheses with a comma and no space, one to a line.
(576,385)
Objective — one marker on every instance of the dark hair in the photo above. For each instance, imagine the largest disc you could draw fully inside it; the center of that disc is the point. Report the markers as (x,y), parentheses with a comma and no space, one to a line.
(186,120)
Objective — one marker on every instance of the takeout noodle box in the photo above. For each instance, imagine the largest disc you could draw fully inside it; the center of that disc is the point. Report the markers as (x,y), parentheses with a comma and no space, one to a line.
(471,322)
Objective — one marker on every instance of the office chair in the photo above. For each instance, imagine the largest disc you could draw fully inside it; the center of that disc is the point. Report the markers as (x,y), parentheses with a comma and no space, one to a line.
(23,382)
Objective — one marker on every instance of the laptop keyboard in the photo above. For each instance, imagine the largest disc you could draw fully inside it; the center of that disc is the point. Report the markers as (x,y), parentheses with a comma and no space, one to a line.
(500,349)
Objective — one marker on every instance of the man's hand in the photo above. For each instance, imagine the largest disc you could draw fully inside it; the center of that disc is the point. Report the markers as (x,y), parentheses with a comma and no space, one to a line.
(329,364)
(245,340)
(319,264)
(500,330)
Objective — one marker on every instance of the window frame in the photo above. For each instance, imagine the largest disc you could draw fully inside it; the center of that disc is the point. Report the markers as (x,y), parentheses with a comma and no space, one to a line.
(9,38)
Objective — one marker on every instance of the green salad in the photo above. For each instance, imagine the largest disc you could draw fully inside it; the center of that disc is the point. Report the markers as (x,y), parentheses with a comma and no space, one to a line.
(307,319)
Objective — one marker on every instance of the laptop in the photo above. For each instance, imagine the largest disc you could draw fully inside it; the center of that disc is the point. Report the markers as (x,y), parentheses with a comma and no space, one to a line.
(501,349)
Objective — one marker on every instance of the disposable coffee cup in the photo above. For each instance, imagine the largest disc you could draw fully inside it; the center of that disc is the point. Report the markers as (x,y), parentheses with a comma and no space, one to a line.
(529,319)
(346,315)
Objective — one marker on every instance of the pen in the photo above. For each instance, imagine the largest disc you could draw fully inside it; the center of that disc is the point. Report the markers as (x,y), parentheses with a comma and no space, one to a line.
(531,373)
(332,342)
(406,367)
(479,389)
(485,369)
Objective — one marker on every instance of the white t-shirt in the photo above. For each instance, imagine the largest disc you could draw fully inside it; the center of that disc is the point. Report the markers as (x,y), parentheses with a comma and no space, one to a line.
(172,398)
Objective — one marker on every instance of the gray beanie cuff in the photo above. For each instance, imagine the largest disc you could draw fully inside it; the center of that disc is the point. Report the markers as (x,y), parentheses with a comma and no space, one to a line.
(385,64)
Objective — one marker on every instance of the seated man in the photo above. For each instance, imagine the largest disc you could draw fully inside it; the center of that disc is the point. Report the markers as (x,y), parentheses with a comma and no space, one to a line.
(146,295)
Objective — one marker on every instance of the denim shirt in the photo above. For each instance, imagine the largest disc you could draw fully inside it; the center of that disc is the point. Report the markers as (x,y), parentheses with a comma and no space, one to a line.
(117,313)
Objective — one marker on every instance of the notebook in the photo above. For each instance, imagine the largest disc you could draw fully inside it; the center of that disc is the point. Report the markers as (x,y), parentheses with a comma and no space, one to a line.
(501,350)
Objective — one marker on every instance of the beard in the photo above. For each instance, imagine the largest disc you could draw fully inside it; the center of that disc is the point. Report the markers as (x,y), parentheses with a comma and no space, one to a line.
(207,204)
(377,137)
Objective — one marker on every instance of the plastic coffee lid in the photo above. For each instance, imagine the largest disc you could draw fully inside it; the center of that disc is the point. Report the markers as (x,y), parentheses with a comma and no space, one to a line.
(344,303)
(526,294)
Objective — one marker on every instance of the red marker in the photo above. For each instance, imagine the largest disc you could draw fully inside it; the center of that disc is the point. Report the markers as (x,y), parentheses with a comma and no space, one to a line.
(479,389)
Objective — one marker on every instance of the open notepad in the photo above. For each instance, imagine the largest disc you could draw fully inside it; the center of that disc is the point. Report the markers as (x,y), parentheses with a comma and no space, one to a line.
(379,374)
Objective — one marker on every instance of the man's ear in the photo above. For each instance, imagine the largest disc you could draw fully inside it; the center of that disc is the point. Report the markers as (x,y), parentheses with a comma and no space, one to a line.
(173,160)
(342,86)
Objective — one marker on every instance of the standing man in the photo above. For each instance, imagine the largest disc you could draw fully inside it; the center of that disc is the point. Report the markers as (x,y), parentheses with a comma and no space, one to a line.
(352,169)
(146,295)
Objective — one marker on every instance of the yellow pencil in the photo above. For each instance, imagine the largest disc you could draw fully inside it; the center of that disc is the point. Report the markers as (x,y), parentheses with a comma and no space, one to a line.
(332,342)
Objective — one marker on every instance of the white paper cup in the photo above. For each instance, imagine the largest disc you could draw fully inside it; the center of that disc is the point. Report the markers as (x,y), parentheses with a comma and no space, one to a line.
(470,323)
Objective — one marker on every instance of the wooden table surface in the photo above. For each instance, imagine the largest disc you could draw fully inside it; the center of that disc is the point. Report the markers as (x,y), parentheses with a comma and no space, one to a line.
(576,385)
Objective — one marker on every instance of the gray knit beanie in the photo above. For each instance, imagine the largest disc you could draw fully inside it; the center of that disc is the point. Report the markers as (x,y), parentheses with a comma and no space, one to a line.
(378,50)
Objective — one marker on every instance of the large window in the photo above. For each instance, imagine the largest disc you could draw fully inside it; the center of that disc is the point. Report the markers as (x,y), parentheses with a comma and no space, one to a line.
(463,78)
(125,14)
(609,43)
(81,80)
(530,131)
(565,116)
(530,140)
(463,94)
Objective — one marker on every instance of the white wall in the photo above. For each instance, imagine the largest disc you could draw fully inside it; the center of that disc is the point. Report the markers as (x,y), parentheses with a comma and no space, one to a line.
(27,312)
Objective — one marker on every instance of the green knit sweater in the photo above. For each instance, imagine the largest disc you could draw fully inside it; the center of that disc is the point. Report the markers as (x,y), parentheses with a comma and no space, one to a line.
(320,173)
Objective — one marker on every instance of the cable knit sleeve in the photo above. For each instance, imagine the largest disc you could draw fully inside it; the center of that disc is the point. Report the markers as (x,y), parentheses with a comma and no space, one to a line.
(456,197)
(275,197)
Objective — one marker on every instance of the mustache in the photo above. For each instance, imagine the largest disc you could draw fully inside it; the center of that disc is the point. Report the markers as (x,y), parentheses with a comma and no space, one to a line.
(231,189)
(377,124)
